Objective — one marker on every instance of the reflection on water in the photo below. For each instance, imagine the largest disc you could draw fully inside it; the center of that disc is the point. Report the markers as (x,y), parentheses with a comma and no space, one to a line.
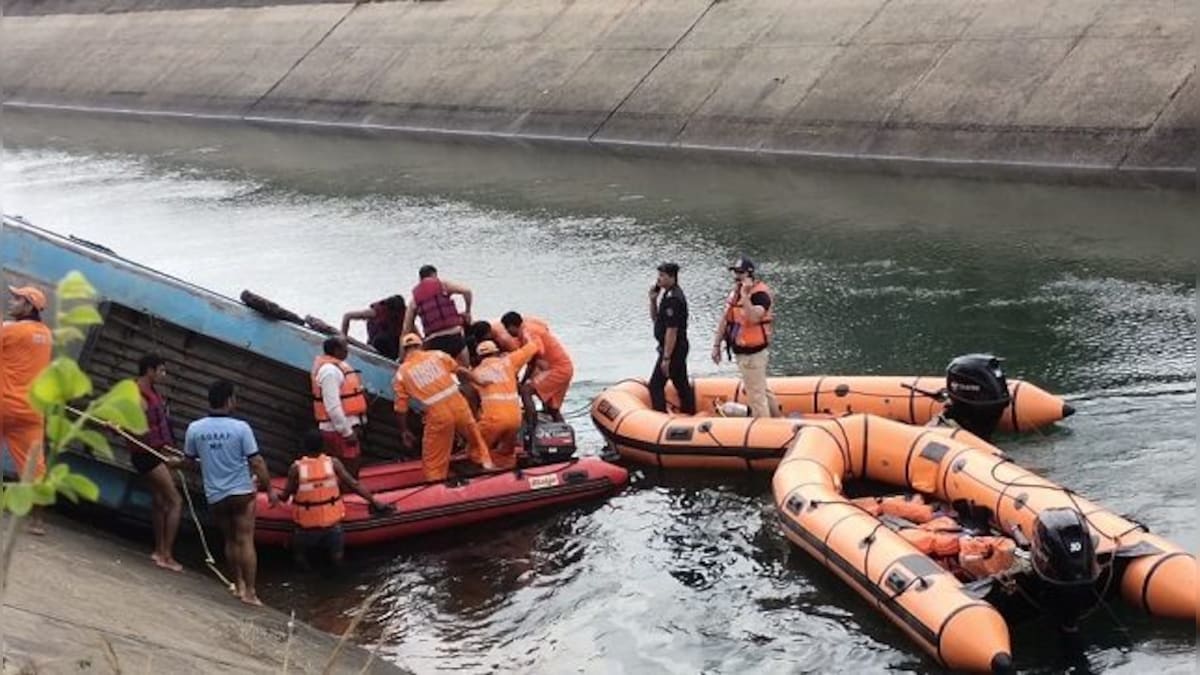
(1090,293)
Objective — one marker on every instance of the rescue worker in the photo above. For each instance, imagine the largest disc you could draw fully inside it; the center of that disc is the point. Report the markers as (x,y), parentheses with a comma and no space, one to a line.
(550,375)
(745,329)
(426,378)
(385,321)
(670,317)
(339,402)
(26,345)
(317,481)
(500,406)
(441,323)
(165,499)
(225,452)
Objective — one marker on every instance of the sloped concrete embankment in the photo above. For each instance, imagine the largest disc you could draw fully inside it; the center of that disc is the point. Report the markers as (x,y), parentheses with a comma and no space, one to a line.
(81,602)
(1095,86)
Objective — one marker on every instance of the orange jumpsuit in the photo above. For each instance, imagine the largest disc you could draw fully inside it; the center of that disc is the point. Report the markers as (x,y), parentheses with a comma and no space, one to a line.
(553,369)
(428,377)
(25,349)
(500,406)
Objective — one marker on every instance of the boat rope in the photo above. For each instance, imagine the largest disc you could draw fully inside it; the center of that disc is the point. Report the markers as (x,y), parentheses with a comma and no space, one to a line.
(208,556)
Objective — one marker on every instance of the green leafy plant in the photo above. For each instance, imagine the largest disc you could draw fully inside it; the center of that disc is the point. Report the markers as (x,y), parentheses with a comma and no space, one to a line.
(55,390)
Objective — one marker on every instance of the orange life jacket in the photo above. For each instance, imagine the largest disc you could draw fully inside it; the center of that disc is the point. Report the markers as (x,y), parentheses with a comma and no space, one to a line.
(499,376)
(909,507)
(741,331)
(426,377)
(354,397)
(941,544)
(982,557)
(318,500)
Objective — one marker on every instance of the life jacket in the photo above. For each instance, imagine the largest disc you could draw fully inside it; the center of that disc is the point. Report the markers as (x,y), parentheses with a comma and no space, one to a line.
(740,331)
(427,378)
(354,397)
(981,557)
(909,507)
(935,544)
(318,500)
(385,322)
(435,306)
(158,421)
(499,377)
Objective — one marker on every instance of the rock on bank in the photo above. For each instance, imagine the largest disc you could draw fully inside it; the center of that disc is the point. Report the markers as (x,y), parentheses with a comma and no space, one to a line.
(1101,87)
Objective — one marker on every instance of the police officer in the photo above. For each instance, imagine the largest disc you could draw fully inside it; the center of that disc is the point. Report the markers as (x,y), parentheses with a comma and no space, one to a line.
(670,315)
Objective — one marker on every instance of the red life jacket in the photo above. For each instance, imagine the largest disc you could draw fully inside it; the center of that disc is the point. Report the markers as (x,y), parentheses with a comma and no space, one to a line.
(158,432)
(435,307)
(385,322)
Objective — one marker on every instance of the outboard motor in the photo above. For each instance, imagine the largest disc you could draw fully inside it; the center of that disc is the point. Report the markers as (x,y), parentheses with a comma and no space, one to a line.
(1063,556)
(552,442)
(978,393)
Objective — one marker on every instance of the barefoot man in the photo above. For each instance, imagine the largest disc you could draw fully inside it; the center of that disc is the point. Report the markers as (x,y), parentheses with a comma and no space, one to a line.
(166,502)
(225,451)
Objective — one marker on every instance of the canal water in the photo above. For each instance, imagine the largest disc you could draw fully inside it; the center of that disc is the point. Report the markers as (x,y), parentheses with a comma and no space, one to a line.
(1089,292)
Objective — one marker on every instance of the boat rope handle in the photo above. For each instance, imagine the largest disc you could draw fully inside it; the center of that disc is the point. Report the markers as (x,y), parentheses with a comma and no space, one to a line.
(208,556)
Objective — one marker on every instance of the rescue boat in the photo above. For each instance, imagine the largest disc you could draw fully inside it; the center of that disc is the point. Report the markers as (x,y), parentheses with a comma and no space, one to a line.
(1067,553)
(423,507)
(974,393)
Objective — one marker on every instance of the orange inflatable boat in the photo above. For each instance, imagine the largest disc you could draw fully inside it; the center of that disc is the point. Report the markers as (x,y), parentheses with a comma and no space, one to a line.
(974,394)
(1020,540)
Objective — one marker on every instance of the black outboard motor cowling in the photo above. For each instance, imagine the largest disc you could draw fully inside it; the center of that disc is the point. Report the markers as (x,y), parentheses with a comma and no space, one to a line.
(552,442)
(1062,551)
(1063,555)
(978,393)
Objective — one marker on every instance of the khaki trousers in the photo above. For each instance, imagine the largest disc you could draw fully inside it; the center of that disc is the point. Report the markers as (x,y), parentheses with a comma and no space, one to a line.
(754,380)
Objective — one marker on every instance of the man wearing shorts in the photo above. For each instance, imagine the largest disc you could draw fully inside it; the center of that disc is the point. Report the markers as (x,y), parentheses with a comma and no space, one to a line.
(441,322)
(166,504)
(550,374)
(224,450)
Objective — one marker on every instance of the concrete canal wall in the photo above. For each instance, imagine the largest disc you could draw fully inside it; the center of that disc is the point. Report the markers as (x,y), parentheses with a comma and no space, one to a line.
(1103,87)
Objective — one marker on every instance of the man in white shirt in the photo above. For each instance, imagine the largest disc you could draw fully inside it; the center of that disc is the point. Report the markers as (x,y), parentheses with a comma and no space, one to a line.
(339,402)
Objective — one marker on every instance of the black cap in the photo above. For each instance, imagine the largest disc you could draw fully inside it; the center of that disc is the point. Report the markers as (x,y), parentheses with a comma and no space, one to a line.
(742,264)
(669,268)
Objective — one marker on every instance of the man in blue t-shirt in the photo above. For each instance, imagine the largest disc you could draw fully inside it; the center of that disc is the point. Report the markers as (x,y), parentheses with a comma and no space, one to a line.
(224,450)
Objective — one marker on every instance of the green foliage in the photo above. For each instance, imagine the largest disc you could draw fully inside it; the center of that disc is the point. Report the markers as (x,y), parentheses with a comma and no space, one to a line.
(56,391)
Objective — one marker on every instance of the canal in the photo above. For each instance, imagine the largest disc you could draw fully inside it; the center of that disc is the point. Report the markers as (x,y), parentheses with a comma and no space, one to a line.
(1089,292)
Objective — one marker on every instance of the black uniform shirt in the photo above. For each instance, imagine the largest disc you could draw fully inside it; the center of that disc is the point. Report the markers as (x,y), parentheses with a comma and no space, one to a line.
(672,313)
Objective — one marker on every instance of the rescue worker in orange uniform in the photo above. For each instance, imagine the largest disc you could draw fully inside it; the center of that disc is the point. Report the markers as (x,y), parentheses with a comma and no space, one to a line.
(339,402)
(426,378)
(26,345)
(500,406)
(745,328)
(550,375)
(317,481)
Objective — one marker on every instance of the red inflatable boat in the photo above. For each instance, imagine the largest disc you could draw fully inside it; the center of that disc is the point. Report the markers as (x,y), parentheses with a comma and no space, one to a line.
(425,507)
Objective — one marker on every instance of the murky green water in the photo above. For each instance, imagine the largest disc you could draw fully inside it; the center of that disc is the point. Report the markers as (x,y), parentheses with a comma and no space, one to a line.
(1090,293)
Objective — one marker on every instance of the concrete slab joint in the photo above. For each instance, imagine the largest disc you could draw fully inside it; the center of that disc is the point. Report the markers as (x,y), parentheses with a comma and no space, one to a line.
(1095,85)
